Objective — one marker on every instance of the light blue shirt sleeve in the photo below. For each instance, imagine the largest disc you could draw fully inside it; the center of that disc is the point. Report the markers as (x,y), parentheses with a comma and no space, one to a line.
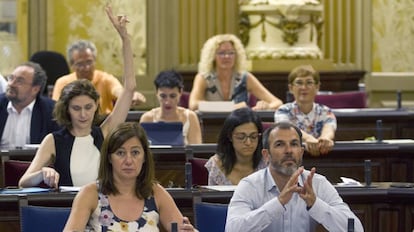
(246,211)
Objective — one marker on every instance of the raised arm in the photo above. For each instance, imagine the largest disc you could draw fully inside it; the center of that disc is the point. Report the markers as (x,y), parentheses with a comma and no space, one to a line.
(122,105)
(197,92)
(267,101)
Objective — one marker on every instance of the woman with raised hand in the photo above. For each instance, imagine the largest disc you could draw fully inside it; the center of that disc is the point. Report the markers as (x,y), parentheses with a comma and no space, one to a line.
(71,156)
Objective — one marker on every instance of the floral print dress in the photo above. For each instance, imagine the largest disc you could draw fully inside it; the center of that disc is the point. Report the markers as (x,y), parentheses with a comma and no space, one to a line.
(103,219)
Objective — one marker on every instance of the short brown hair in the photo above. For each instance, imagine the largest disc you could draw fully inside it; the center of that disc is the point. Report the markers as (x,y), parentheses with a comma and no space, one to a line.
(304,71)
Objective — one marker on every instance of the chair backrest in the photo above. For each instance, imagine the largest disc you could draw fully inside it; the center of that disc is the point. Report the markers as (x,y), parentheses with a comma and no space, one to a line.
(184,99)
(210,216)
(199,172)
(266,125)
(347,99)
(54,64)
(13,171)
(42,218)
(252,100)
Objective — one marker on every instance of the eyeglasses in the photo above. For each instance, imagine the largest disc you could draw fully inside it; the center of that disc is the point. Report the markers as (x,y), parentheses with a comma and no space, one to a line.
(226,53)
(301,83)
(242,137)
(84,63)
(17,80)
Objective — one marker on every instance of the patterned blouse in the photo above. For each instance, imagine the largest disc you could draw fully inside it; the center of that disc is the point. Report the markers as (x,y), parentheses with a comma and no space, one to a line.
(103,219)
(216,176)
(238,93)
(312,123)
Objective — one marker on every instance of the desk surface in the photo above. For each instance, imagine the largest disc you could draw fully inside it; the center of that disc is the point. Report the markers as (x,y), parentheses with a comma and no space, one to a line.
(391,161)
(352,123)
(360,145)
(378,207)
(268,115)
(406,191)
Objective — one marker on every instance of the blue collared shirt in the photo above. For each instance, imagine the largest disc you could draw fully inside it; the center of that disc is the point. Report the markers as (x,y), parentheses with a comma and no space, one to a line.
(255,206)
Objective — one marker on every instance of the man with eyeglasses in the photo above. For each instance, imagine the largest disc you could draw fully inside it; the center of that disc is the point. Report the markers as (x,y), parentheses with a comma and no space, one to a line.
(317,121)
(284,196)
(81,56)
(25,115)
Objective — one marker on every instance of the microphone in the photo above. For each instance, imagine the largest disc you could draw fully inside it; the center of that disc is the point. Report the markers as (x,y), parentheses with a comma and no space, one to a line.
(351,226)
(188,175)
(399,100)
(379,131)
(174,227)
(367,171)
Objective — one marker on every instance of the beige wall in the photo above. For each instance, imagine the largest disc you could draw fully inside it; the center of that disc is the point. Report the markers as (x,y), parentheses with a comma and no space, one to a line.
(177,29)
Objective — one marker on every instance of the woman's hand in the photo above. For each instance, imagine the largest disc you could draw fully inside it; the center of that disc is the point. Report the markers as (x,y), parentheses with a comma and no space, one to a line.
(186,226)
(119,22)
(325,145)
(50,177)
(312,146)
(261,105)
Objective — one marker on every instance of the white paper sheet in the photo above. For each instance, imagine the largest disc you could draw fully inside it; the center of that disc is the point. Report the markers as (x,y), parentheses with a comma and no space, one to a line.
(221,187)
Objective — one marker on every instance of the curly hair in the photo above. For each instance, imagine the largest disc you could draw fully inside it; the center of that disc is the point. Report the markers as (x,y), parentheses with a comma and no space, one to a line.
(71,90)
(207,60)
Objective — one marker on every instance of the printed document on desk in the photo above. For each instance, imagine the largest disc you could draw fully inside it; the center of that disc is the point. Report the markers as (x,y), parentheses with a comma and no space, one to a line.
(69,188)
(223,188)
(216,106)
(24,190)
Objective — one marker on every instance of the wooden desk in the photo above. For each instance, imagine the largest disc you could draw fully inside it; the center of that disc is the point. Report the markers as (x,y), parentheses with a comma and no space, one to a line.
(277,82)
(353,124)
(381,208)
(390,162)
(169,163)
(9,205)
